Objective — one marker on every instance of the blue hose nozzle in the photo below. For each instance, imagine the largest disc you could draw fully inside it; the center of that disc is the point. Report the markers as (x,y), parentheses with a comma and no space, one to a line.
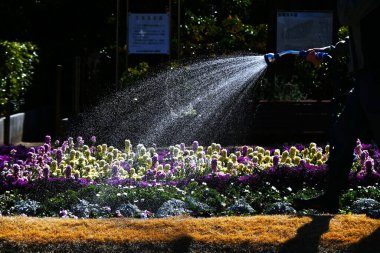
(273,57)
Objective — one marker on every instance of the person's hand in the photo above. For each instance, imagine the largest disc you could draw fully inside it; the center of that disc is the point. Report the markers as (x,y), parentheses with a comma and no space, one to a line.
(312,57)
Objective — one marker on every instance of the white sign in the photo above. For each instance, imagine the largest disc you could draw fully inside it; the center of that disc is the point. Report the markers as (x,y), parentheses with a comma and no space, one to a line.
(148,33)
(299,30)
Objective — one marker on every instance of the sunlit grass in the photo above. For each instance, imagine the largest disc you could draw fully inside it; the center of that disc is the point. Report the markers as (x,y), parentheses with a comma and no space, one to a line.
(280,232)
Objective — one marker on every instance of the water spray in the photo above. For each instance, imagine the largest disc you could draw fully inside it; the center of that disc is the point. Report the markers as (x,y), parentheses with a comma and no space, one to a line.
(270,58)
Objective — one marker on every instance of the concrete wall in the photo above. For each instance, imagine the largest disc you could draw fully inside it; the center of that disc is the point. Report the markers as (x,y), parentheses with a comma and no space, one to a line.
(2,130)
(16,128)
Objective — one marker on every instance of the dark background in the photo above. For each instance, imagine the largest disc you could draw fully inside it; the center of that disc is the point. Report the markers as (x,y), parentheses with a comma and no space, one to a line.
(76,42)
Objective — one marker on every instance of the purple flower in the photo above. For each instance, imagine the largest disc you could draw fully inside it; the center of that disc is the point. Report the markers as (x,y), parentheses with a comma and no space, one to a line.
(214,164)
(13,152)
(46,147)
(303,163)
(46,172)
(40,150)
(369,165)
(63,213)
(10,178)
(68,172)
(154,159)
(364,155)
(366,146)
(93,140)
(65,145)
(125,166)
(20,182)
(276,160)
(118,214)
(80,141)
(16,170)
(145,214)
(195,145)
(47,139)
(150,173)
(115,172)
(59,155)
(161,174)
(244,151)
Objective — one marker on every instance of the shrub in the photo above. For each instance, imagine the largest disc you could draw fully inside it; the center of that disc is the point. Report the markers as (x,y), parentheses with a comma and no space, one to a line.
(17,62)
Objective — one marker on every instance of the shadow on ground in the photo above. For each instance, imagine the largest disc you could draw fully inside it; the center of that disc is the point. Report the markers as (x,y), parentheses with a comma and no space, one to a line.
(308,236)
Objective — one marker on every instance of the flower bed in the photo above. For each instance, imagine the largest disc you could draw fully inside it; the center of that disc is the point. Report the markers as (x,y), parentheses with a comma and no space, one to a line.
(75,179)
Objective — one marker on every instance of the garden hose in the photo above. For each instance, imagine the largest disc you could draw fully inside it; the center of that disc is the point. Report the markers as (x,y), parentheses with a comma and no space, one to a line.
(271,58)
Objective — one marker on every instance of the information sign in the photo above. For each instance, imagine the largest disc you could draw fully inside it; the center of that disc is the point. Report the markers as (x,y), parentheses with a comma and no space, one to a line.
(298,30)
(148,33)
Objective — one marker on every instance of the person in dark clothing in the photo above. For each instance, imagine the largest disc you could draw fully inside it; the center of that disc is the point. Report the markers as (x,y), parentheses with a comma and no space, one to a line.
(362,109)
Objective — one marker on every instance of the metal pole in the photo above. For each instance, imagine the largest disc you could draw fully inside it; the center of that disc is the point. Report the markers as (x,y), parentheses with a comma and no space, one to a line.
(7,120)
(117,45)
(126,39)
(77,84)
(170,21)
(179,30)
(58,130)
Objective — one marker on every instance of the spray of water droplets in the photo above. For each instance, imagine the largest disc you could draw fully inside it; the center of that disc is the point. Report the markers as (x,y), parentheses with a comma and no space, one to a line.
(199,101)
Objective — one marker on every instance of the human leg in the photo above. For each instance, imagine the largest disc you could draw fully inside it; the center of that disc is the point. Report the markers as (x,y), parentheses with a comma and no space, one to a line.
(343,141)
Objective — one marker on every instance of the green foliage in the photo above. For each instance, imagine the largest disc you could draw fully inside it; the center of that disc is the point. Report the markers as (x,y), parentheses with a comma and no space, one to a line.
(7,200)
(370,192)
(342,32)
(214,33)
(205,194)
(63,200)
(261,199)
(152,198)
(134,73)
(17,62)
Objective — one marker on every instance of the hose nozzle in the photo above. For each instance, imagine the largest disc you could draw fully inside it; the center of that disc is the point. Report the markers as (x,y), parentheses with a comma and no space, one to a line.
(270,58)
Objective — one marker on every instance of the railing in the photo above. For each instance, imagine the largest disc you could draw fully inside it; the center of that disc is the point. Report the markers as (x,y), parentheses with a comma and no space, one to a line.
(292,121)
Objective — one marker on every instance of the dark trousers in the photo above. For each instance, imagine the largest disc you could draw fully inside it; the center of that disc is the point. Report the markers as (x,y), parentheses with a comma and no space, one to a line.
(360,115)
